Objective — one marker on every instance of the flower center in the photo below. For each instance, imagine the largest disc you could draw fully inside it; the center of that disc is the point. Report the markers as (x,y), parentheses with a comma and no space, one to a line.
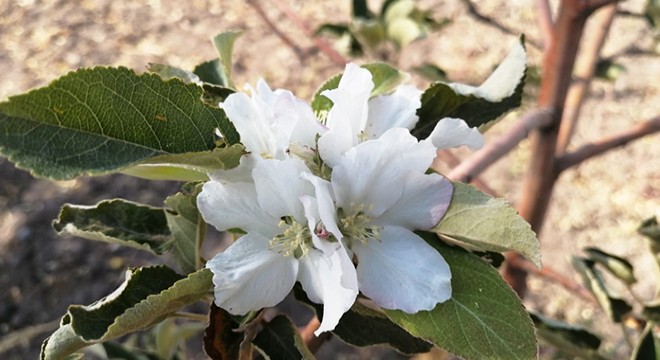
(358,227)
(295,240)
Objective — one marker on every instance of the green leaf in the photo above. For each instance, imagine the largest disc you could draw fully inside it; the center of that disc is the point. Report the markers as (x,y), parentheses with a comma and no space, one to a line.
(568,338)
(651,229)
(403,31)
(501,92)
(169,336)
(613,306)
(117,221)
(607,69)
(477,221)
(224,43)
(648,346)
(280,339)
(360,9)
(652,13)
(431,72)
(483,319)
(99,120)
(193,166)
(211,72)
(362,326)
(385,78)
(187,228)
(168,72)
(617,266)
(145,298)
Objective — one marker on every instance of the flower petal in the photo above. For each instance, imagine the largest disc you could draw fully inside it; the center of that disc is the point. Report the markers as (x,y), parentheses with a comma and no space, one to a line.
(241,173)
(348,115)
(422,204)
(452,132)
(279,187)
(395,110)
(325,204)
(331,281)
(235,205)
(248,276)
(371,174)
(401,271)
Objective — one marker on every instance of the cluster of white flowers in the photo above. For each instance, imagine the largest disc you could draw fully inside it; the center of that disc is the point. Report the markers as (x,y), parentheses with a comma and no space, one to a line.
(333,206)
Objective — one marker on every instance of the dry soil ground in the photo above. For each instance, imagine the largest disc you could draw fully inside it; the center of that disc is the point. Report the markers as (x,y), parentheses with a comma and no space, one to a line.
(598,203)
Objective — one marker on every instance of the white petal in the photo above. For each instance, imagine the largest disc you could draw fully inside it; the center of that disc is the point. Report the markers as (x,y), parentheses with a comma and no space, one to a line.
(291,110)
(251,119)
(331,281)
(248,276)
(348,115)
(235,205)
(241,173)
(401,271)
(422,204)
(279,187)
(372,173)
(325,204)
(452,132)
(394,110)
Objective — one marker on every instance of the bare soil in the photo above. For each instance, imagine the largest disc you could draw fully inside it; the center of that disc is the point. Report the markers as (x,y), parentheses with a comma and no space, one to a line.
(600,203)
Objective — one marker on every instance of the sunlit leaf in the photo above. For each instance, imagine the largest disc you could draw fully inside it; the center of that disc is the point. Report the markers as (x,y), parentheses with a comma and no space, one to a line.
(224,43)
(117,221)
(614,306)
(187,228)
(280,339)
(617,266)
(567,338)
(480,222)
(172,72)
(501,92)
(431,72)
(100,120)
(145,298)
(483,319)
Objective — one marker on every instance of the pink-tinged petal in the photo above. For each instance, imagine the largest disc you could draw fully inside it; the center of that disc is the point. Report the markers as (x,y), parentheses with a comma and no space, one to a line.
(401,271)
(394,110)
(235,205)
(331,281)
(422,204)
(248,276)
(371,174)
(279,187)
(452,132)
(312,215)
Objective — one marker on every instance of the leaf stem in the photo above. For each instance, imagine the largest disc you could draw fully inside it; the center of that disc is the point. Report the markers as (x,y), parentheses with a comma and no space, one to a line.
(191,316)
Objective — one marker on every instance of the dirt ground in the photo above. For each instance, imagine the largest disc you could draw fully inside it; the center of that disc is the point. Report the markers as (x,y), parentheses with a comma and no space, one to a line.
(600,203)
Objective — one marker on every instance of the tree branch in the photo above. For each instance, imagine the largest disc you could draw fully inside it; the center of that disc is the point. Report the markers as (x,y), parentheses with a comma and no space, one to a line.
(312,341)
(608,143)
(544,17)
(307,29)
(585,68)
(494,150)
(451,159)
(260,11)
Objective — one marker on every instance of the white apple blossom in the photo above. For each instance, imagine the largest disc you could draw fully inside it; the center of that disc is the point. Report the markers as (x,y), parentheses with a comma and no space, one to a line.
(382,194)
(354,117)
(280,246)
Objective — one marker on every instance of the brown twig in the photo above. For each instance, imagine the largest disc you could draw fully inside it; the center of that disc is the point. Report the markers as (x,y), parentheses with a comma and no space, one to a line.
(309,31)
(260,11)
(539,181)
(472,10)
(544,17)
(312,341)
(585,68)
(608,143)
(494,150)
(453,161)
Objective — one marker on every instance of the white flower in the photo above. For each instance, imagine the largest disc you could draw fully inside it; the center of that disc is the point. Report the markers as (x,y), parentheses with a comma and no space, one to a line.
(354,117)
(270,121)
(382,195)
(280,246)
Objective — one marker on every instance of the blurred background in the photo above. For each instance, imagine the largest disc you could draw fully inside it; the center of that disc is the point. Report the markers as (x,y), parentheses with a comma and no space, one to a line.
(599,203)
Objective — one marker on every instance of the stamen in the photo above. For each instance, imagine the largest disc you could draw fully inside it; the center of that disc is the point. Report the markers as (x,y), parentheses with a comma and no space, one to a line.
(295,239)
(357,227)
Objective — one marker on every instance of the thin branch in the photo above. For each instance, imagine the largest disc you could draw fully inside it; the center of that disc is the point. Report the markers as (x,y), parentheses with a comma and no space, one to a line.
(472,10)
(494,150)
(453,161)
(260,11)
(544,17)
(603,145)
(585,68)
(309,31)
(593,5)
